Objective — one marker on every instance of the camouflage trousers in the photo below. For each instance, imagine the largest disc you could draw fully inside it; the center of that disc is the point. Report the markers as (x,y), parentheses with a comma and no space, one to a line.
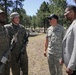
(54,67)
(23,65)
(6,69)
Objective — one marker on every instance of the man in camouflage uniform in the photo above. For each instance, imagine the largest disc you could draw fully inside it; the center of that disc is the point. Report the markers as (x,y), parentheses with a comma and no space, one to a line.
(14,28)
(4,45)
(53,45)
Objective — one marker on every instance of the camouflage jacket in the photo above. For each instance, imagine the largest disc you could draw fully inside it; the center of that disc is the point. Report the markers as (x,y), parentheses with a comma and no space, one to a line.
(22,35)
(4,41)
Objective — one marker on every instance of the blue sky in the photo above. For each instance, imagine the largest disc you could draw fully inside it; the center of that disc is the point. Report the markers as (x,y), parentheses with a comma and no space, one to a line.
(71,2)
(31,6)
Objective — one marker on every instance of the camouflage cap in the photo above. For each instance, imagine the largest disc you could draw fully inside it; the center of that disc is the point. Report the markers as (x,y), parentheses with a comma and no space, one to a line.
(14,14)
(52,16)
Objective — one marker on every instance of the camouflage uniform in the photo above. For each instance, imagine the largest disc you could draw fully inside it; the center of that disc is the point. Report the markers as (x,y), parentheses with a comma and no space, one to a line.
(55,36)
(4,46)
(22,35)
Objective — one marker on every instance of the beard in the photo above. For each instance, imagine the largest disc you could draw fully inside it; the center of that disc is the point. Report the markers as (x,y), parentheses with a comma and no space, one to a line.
(2,22)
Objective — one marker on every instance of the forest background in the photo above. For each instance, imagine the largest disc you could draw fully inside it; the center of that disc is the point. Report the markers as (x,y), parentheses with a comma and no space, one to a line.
(40,19)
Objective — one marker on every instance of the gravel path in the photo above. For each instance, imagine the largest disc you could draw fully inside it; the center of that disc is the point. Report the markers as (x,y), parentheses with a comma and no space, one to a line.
(37,62)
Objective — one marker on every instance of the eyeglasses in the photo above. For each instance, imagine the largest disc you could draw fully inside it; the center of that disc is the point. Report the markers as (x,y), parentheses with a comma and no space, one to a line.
(66,13)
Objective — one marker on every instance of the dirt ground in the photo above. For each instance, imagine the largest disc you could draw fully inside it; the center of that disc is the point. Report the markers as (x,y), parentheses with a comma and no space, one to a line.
(37,62)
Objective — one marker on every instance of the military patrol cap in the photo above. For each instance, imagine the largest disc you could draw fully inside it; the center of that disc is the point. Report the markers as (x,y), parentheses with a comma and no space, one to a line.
(1,11)
(52,16)
(14,14)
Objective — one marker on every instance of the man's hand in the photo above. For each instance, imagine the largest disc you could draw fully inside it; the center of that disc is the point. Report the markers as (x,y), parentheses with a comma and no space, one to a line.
(45,53)
(61,61)
(69,71)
